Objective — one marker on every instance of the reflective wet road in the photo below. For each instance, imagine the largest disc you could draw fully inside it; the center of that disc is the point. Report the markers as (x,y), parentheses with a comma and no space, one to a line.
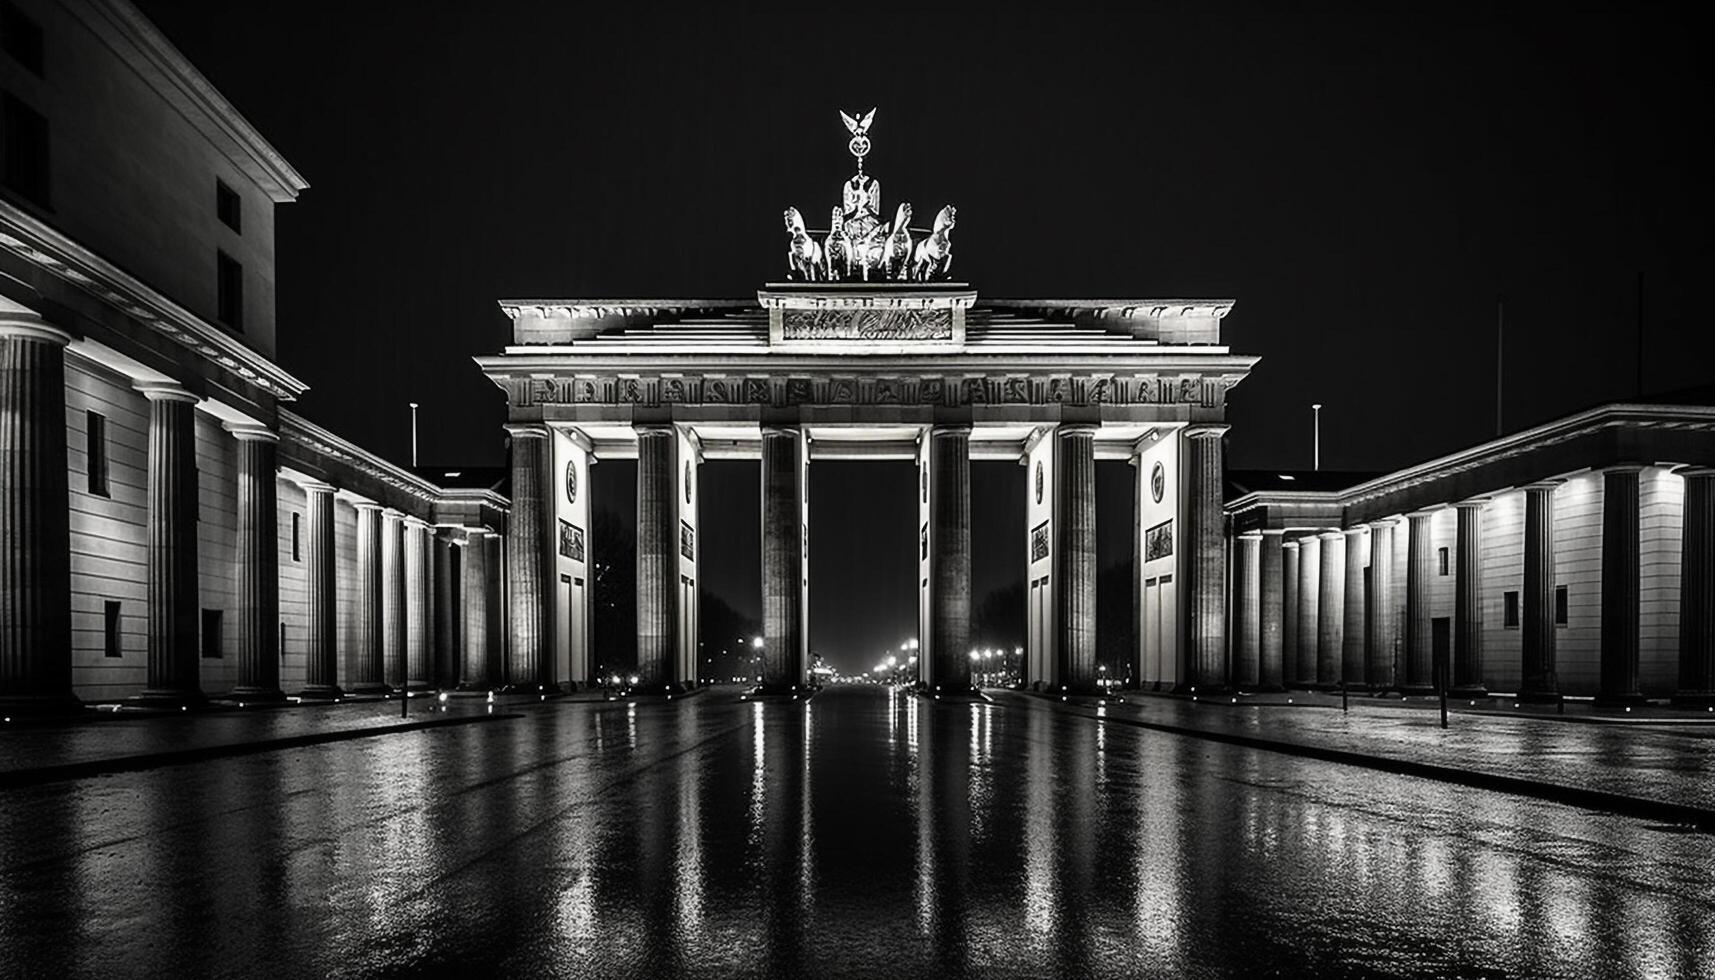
(867,833)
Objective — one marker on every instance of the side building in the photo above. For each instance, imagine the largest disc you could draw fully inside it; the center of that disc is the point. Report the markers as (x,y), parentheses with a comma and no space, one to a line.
(1573,559)
(170,530)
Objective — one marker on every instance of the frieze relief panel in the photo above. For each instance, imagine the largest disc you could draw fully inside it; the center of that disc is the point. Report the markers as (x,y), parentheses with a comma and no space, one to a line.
(1003,389)
(867,324)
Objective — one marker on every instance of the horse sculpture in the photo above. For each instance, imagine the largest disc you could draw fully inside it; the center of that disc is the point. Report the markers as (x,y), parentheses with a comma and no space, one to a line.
(837,248)
(803,255)
(934,256)
(897,253)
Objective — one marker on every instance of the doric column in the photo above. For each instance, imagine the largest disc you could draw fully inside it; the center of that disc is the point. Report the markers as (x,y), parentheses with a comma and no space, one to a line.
(1247,611)
(950,486)
(1075,560)
(417,623)
(657,556)
(448,600)
(321,605)
(1353,637)
(258,566)
(1309,605)
(365,670)
(1468,603)
(1697,591)
(494,605)
(529,583)
(1379,664)
(1270,611)
(1419,634)
(782,560)
(474,572)
(35,519)
(1289,576)
(394,624)
(1206,564)
(174,670)
(1620,545)
(1331,612)
(1541,682)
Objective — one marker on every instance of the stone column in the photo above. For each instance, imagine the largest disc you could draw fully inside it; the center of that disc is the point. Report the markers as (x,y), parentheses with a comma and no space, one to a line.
(1468,603)
(1289,576)
(417,622)
(365,668)
(950,486)
(1247,611)
(394,624)
(321,605)
(494,605)
(657,557)
(530,663)
(1309,618)
(448,599)
(1540,679)
(1270,610)
(782,561)
(1419,635)
(35,519)
(174,668)
(1697,591)
(474,570)
(1620,547)
(1075,556)
(258,566)
(1206,564)
(1331,612)
(1379,664)
(1353,636)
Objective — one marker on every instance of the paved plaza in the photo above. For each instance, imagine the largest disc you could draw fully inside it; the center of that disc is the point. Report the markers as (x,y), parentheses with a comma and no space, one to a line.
(863,832)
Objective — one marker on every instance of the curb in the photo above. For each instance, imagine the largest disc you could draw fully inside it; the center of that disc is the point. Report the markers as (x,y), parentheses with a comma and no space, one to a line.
(20,778)
(1593,799)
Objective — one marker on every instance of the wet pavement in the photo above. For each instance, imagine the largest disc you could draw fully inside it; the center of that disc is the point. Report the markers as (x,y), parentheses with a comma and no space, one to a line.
(865,833)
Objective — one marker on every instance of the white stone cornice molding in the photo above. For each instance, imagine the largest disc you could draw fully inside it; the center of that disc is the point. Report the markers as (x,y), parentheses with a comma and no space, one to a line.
(363,504)
(166,391)
(1278,532)
(252,432)
(1205,430)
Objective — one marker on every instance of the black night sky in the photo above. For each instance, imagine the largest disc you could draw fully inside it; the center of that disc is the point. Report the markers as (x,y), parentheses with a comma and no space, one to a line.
(1364,183)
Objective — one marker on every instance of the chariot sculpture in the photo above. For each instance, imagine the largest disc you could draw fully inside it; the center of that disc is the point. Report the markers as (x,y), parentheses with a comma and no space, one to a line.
(858,246)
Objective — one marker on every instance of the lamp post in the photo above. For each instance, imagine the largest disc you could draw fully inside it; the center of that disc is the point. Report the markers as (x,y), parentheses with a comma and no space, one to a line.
(413,434)
(1316,445)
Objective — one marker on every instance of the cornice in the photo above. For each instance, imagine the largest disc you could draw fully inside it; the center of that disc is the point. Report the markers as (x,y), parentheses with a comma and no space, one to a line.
(1122,309)
(297,430)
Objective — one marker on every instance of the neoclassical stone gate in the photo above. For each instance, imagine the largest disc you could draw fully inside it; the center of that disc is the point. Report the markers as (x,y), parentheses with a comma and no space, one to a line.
(870,356)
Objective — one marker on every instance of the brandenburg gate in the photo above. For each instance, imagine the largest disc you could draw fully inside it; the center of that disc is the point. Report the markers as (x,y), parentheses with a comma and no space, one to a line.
(869,349)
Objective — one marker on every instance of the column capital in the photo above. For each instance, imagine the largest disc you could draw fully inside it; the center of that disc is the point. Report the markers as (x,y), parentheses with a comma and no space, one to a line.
(392,514)
(1382,522)
(1205,430)
(1354,531)
(1472,503)
(1622,468)
(1424,513)
(365,505)
(1332,534)
(950,429)
(28,326)
(413,521)
(778,429)
(1076,429)
(526,430)
(1543,486)
(1250,536)
(166,391)
(1278,532)
(316,486)
(1291,544)
(250,432)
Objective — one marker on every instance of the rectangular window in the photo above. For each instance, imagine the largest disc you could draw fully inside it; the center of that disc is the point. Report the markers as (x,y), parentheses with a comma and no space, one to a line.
(211,634)
(282,644)
(95,448)
(226,206)
(229,287)
(1560,605)
(24,150)
(1509,610)
(110,629)
(1441,561)
(21,37)
(295,553)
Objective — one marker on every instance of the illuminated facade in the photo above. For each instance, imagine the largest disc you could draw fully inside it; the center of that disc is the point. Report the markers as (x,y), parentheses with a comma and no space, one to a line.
(171,531)
(1576,558)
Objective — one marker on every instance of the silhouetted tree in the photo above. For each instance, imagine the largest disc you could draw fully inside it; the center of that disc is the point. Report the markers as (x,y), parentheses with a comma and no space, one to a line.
(613,551)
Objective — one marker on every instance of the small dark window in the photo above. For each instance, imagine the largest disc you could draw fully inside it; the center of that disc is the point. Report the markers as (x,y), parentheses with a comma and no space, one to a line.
(211,634)
(110,628)
(295,553)
(226,206)
(1509,610)
(95,446)
(24,150)
(282,644)
(1560,605)
(1441,560)
(229,301)
(21,37)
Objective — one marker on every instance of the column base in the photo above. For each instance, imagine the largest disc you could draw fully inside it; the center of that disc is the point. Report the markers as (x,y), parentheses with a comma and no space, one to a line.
(1630,699)
(1538,697)
(46,706)
(321,692)
(166,700)
(1469,692)
(1694,699)
(369,689)
(1420,691)
(260,695)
